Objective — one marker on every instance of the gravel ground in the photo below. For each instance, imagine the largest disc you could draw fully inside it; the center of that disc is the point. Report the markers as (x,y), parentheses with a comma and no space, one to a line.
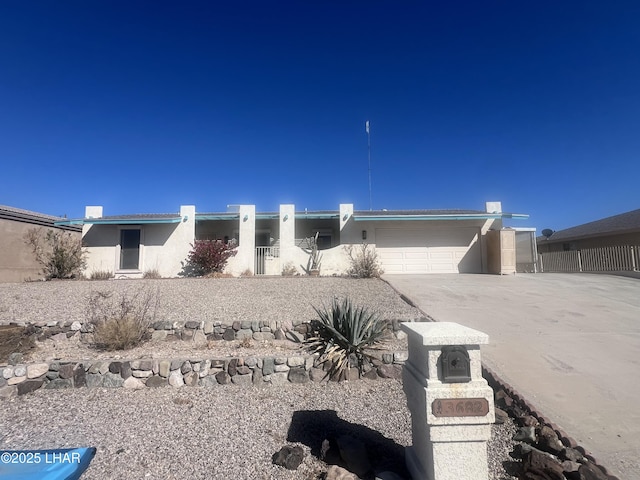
(225,432)
(222,432)
(223,299)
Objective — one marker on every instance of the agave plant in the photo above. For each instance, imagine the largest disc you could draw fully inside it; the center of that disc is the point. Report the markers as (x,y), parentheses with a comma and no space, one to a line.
(342,331)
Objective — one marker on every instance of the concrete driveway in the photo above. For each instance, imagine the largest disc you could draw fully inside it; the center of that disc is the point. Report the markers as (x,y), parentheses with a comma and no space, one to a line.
(570,343)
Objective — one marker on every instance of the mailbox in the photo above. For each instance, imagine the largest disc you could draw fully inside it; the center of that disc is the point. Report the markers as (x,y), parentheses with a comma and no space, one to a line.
(456,367)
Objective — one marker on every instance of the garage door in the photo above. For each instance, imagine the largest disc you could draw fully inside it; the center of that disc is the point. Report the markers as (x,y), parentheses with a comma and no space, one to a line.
(429,250)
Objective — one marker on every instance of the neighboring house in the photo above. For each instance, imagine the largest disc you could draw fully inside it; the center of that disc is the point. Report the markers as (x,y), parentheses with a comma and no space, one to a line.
(412,241)
(618,230)
(17,261)
(610,245)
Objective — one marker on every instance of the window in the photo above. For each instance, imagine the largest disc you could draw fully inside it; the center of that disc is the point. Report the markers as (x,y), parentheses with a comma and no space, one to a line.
(129,249)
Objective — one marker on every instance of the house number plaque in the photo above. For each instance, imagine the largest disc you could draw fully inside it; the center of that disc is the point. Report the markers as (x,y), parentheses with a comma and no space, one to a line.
(460,407)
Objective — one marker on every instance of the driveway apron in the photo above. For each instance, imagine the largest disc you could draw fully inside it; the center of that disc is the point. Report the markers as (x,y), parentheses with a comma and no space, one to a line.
(570,343)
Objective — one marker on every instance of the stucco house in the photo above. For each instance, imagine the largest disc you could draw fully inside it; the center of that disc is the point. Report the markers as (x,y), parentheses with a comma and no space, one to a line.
(617,230)
(411,241)
(17,261)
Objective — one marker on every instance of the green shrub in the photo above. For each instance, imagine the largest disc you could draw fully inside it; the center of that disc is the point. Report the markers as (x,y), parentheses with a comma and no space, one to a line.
(364,262)
(101,275)
(121,322)
(60,253)
(208,256)
(345,332)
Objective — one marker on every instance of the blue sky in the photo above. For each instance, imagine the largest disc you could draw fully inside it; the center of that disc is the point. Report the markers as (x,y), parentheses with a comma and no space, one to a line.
(141,106)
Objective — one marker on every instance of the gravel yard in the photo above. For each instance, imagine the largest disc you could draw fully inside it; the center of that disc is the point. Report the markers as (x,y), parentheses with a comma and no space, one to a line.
(226,432)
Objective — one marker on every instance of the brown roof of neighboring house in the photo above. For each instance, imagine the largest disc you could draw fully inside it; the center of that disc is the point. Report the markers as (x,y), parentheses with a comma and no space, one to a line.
(623,223)
(35,218)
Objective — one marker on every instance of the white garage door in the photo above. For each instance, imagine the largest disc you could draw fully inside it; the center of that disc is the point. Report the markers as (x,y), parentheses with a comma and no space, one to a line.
(429,250)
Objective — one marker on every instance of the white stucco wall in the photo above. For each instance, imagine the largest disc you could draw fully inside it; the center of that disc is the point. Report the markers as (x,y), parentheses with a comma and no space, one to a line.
(244,259)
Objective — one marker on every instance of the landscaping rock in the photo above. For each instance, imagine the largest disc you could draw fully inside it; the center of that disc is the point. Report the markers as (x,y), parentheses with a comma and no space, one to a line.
(338,473)
(7,372)
(525,434)
(268,366)
(186,367)
(133,383)
(289,457)
(155,382)
(223,378)
(318,375)
(7,392)
(112,380)
(16,380)
(20,371)
(37,370)
(164,369)
(298,375)
(176,379)
(59,383)
(242,379)
(548,441)
(114,367)
(191,379)
(94,380)
(125,370)
(537,463)
(589,471)
(79,376)
(390,371)
(501,416)
(29,386)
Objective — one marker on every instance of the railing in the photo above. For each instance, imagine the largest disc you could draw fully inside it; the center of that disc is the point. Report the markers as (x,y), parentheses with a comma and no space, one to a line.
(267,261)
(601,259)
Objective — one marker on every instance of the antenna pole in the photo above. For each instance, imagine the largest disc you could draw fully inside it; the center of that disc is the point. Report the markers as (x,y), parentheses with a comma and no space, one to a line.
(366,125)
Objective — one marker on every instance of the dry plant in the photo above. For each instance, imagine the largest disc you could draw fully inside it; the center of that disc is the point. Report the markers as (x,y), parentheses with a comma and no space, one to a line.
(101,275)
(364,261)
(122,322)
(152,274)
(60,253)
(15,339)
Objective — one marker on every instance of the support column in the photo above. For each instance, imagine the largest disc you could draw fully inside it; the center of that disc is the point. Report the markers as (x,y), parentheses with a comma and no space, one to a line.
(287,235)
(247,231)
(451,404)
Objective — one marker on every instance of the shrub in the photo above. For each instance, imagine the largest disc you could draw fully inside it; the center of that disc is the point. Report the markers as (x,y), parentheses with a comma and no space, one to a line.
(60,253)
(208,256)
(343,333)
(364,262)
(121,322)
(152,274)
(101,275)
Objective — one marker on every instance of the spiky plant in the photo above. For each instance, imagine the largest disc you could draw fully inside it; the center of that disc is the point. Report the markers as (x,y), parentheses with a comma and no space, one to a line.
(342,331)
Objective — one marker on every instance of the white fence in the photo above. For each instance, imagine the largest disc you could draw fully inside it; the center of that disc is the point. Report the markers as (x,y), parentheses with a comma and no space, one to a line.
(601,259)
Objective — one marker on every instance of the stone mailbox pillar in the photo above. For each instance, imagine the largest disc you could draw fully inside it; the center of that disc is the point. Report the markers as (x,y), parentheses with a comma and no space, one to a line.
(451,404)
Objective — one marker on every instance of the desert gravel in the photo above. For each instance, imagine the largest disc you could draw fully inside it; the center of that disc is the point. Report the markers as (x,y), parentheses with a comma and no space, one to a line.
(224,432)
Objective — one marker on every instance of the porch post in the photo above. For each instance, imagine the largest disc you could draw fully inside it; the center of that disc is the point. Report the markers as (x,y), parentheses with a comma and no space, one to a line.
(287,235)
(247,230)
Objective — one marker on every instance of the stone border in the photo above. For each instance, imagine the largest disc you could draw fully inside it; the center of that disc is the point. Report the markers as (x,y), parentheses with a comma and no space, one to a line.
(498,384)
(194,330)
(24,378)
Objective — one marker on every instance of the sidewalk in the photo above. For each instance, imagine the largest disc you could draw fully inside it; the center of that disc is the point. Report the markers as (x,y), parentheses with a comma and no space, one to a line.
(570,343)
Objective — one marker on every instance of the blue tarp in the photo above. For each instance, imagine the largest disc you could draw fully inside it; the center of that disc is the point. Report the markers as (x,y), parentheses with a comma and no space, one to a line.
(59,464)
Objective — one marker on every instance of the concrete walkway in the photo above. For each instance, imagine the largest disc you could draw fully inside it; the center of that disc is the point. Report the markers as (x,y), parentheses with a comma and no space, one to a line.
(570,343)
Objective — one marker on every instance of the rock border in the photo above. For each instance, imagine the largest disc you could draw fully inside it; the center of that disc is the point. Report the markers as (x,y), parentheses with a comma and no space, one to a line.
(22,378)
(512,398)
